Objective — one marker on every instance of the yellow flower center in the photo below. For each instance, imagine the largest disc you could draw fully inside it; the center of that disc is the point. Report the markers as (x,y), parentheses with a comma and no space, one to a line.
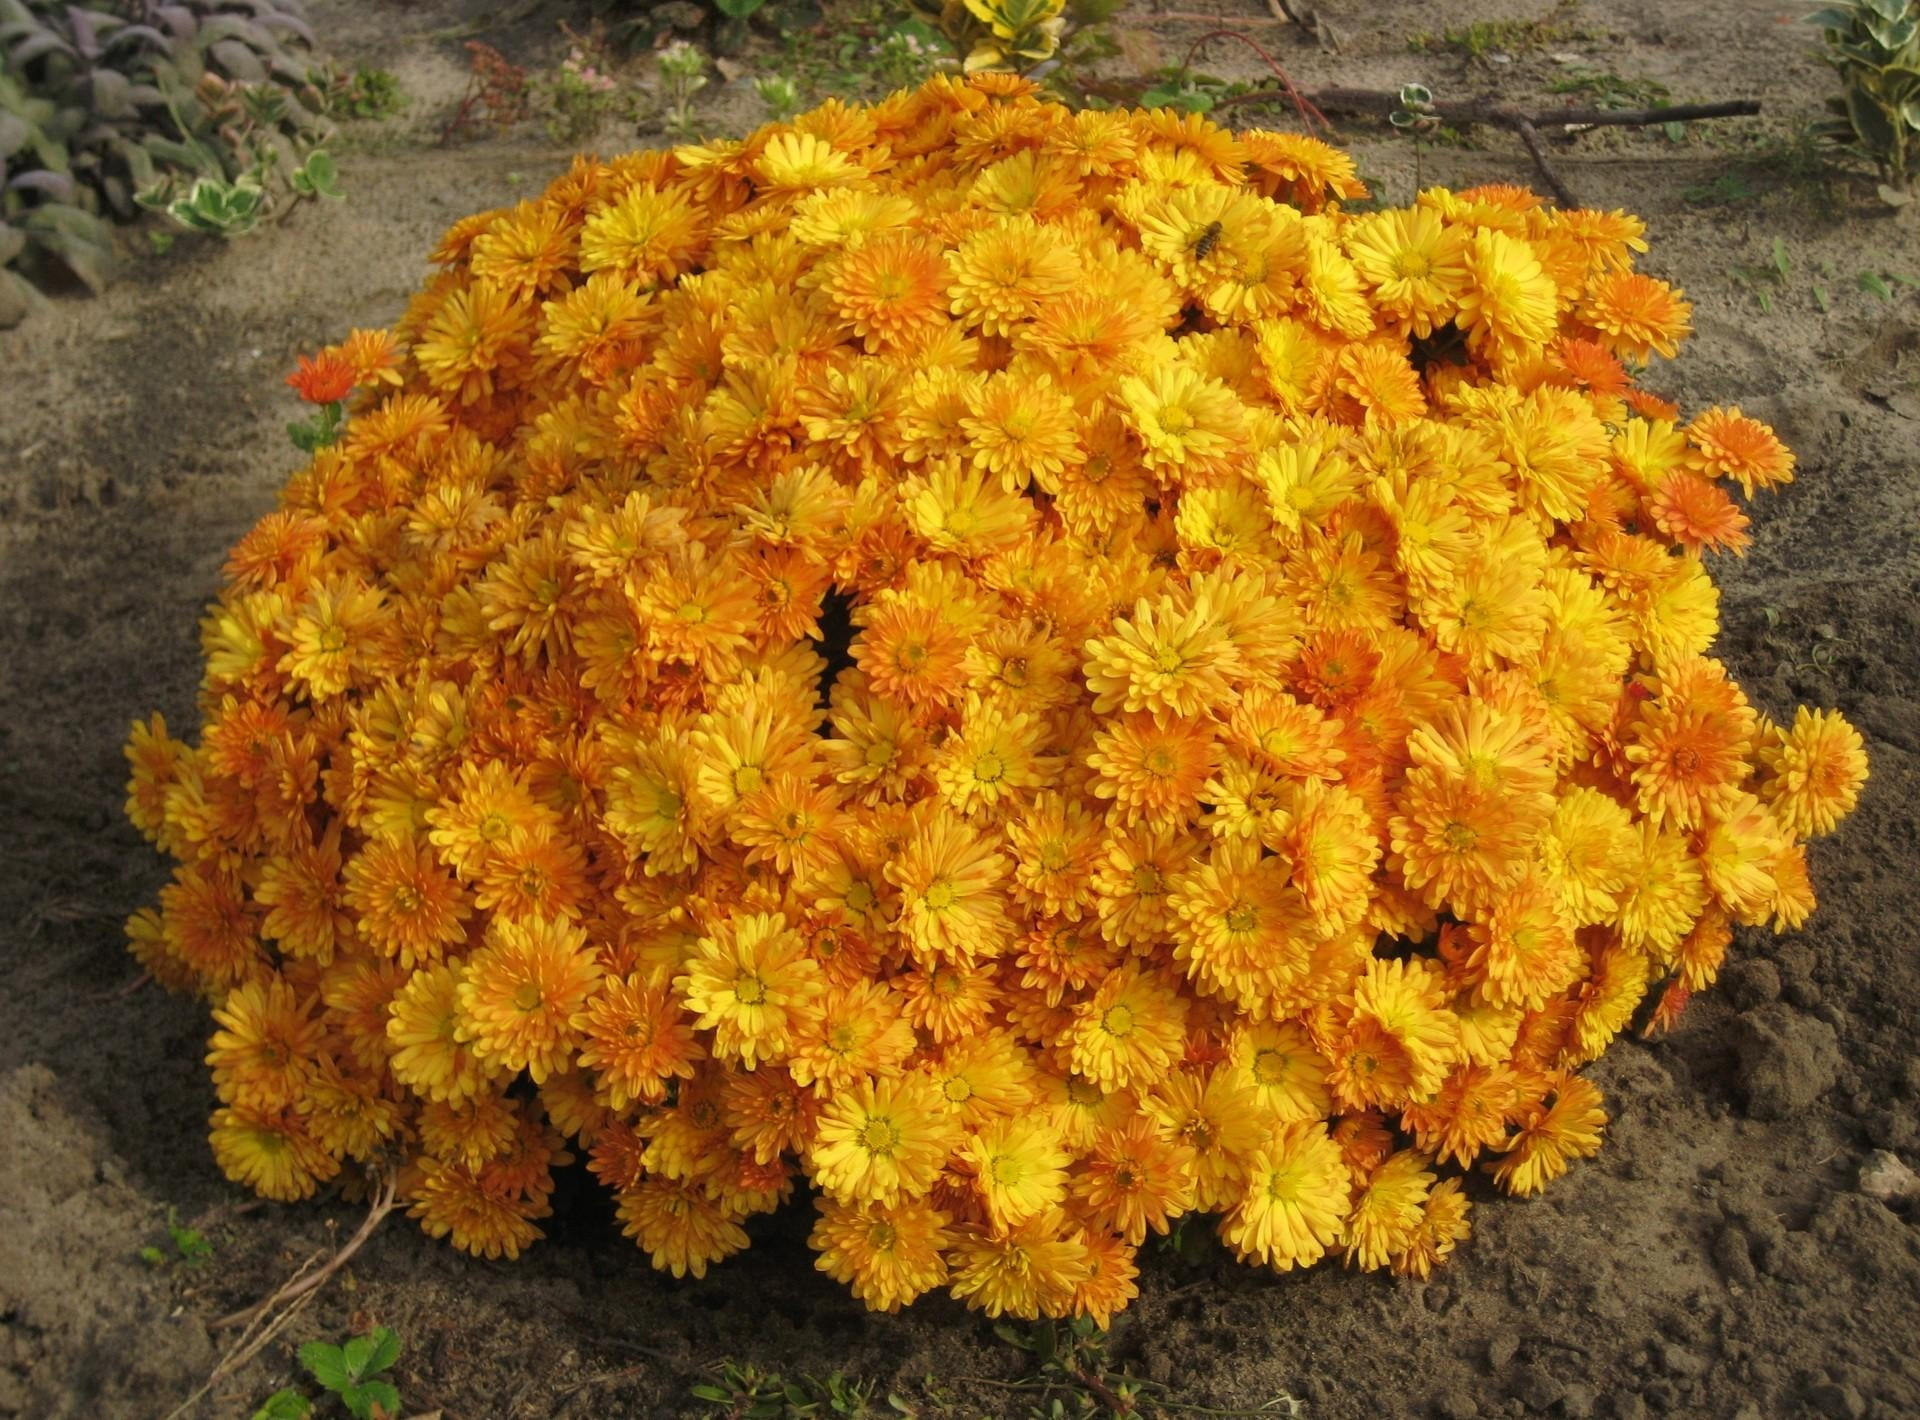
(957,1090)
(1269,1067)
(939,897)
(1117,1021)
(750,990)
(989,768)
(880,1136)
(528,997)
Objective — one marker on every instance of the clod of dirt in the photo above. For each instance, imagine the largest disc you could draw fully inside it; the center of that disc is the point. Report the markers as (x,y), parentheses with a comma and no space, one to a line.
(1537,1390)
(1883,1176)
(1786,1060)
(1679,1361)
(1752,982)
(89,1321)
(1838,1402)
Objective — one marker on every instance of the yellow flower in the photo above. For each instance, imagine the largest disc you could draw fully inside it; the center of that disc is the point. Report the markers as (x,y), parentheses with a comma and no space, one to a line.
(1129,1031)
(1294,1204)
(1814,772)
(1018,1167)
(888,1254)
(751,982)
(882,1141)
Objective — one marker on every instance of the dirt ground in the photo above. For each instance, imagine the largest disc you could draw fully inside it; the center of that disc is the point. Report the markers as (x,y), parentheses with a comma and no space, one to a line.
(1717,1260)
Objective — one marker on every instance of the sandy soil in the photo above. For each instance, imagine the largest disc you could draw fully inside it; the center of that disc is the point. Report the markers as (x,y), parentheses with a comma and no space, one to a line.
(1717,1260)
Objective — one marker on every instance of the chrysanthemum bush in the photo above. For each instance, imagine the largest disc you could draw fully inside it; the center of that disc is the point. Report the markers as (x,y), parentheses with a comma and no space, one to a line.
(1022,671)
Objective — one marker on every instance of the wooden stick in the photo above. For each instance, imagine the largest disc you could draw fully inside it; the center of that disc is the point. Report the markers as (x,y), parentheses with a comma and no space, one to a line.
(1524,124)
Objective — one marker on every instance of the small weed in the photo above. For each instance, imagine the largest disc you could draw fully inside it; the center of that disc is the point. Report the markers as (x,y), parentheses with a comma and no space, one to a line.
(1726,190)
(354,1372)
(285,1404)
(1605,89)
(862,51)
(1768,279)
(1074,1380)
(365,93)
(573,100)
(190,1247)
(744,1392)
(1187,91)
(1484,38)
(780,94)
(496,94)
(1882,285)
(683,73)
(1828,645)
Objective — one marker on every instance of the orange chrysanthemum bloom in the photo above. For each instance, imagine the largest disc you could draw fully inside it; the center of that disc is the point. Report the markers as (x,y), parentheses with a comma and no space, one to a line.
(325,378)
(1734,445)
(521,992)
(1639,316)
(1028,674)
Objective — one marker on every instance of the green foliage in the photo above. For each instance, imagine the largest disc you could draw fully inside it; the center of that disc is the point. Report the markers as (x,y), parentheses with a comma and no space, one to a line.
(1074,1378)
(1875,47)
(286,1404)
(1724,190)
(354,1371)
(101,114)
(1882,285)
(744,1392)
(1481,38)
(364,93)
(861,51)
(683,73)
(190,1247)
(319,429)
(780,94)
(1181,89)
(1767,279)
(575,99)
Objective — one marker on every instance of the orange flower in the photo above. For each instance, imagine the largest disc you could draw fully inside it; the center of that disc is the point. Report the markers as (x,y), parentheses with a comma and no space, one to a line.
(326,378)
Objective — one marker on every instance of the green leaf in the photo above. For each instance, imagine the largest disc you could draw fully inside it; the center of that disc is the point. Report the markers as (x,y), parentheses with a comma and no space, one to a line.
(286,1404)
(1874,285)
(361,1399)
(1870,121)
(153,1257)
(79,239)
(703,1391)
(383,1352)
(326,1364)
(737,9)
(356,1353)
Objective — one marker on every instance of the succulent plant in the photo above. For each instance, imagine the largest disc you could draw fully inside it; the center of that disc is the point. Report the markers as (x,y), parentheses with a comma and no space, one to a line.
(103,112)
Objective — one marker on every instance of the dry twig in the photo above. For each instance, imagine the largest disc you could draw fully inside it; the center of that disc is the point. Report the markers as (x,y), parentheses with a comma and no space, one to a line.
(384,1199)
(1527,125)
(265,1320)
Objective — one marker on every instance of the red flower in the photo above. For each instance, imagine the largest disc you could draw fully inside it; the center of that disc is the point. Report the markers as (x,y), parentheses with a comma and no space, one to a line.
(324,379)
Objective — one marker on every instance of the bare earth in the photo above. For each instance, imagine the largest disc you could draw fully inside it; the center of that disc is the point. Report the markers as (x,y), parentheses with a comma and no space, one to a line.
(1717,1260)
